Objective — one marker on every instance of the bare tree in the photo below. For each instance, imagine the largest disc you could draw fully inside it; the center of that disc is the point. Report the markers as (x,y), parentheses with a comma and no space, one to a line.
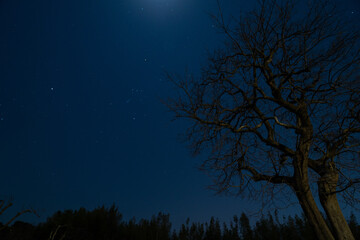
(278,106)
(5,206)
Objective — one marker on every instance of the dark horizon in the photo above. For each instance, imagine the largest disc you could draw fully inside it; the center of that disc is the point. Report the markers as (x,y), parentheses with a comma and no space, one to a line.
(106,223)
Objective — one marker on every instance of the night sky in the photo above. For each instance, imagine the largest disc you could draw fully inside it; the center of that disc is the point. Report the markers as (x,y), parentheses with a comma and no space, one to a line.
(81,121)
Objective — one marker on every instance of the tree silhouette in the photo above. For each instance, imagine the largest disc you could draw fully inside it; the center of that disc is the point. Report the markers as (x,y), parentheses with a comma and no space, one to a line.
(245,227)
(266,228)
(101,223)
(232,233)
(4,206)
(213,230)
(106,223)
(278,106)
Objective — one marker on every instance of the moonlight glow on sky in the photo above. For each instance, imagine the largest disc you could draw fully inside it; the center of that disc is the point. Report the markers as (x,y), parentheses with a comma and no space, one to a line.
(81,124)
(163,11)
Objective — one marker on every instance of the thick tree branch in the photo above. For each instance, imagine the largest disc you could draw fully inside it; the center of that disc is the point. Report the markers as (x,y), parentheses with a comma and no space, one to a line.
(276,179)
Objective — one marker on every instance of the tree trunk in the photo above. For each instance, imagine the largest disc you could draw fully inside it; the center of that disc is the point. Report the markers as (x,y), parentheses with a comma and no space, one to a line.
(327,187)
(302,188)
(313,214)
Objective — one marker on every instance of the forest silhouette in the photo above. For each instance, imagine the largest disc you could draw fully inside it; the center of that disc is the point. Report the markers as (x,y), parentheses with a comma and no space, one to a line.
(108,224)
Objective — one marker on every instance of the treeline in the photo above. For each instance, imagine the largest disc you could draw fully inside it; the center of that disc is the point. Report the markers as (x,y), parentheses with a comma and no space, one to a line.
(107,224)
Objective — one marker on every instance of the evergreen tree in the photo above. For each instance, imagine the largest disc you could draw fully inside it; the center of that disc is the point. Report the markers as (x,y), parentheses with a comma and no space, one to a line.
(245,228)
(266,229)
(289,229)
(197,231)
(304,228)
(230,233)
(184,231)
(213,230)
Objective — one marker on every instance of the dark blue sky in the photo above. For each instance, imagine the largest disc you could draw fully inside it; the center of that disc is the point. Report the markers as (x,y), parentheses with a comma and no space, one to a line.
(81,124)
